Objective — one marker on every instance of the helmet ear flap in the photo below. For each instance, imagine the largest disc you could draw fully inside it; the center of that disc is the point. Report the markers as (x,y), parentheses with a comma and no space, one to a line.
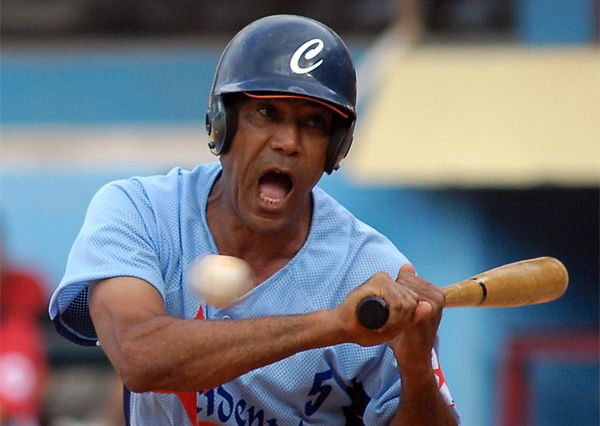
(339,145)
(211,142)
(221,121)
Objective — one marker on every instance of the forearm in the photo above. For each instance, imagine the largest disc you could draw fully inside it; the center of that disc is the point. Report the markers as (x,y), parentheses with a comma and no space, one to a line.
(173,354)
(421,402)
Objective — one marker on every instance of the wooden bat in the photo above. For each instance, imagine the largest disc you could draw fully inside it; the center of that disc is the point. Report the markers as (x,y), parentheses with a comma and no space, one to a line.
(523,283)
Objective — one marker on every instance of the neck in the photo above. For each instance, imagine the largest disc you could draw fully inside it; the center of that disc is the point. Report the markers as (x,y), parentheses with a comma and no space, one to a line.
(265,252)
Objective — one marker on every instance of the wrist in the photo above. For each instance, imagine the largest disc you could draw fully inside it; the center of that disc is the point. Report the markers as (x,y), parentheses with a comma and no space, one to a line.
(412,359)
(417,371)
(329,327)
(417,375)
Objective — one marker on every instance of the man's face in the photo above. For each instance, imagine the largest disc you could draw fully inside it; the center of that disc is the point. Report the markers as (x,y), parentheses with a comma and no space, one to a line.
(276,157)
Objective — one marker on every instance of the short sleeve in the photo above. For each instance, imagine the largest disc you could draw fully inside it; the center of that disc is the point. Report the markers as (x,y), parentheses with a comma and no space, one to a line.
(118,238)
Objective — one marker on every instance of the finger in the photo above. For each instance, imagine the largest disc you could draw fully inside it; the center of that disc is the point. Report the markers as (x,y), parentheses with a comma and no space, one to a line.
(422,311)
(407,268)
(420,287)
(412,293)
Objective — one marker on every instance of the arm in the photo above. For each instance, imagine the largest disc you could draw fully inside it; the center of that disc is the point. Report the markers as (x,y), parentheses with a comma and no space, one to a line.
(421,402)
(153,351)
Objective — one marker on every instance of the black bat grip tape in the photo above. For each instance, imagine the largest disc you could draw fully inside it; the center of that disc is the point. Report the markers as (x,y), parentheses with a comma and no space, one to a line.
(372,312)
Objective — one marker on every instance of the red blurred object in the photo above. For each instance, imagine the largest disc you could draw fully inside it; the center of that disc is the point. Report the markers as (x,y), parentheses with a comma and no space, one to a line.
(524,351)
(23,361)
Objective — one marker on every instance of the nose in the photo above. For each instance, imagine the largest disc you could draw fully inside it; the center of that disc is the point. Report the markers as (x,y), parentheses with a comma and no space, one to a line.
(286,138)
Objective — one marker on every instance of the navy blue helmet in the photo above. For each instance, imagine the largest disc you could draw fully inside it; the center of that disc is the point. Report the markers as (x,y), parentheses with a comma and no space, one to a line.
(289,56)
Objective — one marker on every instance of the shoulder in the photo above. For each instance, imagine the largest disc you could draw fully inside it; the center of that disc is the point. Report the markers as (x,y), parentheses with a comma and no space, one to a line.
(350,240)
(336,221)
(156,190)
(161,184)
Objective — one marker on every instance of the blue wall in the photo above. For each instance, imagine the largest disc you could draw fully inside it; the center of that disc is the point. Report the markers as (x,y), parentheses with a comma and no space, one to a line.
(108,86)
(556,21)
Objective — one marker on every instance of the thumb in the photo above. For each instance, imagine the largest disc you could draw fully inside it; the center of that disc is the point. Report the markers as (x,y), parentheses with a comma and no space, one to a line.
(421,312)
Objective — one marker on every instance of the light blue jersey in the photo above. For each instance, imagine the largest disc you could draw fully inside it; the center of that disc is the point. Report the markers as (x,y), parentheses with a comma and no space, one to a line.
(153,228)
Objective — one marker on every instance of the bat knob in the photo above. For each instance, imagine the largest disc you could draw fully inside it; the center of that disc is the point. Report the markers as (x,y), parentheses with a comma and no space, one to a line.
(372,312)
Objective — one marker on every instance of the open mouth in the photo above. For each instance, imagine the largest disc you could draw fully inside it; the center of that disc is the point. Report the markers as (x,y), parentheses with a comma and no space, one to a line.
(273,187)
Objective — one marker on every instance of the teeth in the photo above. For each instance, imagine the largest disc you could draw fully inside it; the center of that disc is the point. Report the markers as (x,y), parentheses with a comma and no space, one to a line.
(269,200)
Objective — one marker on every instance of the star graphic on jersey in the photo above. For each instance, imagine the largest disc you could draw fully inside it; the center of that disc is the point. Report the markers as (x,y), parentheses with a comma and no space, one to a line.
(440,377)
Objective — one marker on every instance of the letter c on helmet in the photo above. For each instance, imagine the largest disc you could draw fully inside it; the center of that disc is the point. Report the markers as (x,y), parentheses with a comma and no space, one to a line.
(308,53)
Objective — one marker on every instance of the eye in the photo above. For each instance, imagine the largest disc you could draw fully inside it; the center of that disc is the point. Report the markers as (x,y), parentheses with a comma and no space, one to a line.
(318,121)
(265,110)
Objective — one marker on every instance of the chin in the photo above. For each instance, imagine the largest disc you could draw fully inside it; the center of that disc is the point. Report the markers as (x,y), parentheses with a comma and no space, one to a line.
(269,226)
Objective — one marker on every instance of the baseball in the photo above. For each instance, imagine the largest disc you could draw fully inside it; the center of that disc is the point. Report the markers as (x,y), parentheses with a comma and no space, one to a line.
(220,280)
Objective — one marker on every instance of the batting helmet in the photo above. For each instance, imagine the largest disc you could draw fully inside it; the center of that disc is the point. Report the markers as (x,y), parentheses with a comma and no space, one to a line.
(290,56)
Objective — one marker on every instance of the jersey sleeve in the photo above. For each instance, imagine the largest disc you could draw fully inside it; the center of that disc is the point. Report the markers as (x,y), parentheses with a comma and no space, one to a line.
(383,384)
(118,238)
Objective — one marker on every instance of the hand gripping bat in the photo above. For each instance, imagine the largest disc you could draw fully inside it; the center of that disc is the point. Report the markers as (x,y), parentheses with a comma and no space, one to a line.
(523,283)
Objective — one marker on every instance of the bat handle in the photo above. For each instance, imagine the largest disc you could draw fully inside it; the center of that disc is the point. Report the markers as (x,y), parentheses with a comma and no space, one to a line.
(372,312)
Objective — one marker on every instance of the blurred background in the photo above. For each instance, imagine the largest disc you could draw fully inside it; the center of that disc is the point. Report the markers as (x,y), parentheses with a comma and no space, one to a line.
(478,144)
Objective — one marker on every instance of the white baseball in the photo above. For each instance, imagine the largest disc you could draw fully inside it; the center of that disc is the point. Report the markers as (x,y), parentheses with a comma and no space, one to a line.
(220,280)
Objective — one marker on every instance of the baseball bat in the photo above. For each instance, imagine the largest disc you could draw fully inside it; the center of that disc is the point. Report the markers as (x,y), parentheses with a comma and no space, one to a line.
(527,282)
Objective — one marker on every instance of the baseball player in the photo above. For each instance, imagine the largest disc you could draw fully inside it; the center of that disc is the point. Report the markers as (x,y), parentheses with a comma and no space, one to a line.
(291,351)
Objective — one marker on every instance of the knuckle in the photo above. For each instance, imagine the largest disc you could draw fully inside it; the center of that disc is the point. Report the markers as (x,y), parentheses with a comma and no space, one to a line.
(381,277)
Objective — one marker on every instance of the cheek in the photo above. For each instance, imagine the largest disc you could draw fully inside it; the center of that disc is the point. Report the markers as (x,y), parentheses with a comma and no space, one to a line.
(245,145)
(239,166)
(234,159)
(318,153)
(314,167)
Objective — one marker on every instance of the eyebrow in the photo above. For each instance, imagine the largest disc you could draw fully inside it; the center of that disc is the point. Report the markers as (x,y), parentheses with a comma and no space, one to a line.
(306,98)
